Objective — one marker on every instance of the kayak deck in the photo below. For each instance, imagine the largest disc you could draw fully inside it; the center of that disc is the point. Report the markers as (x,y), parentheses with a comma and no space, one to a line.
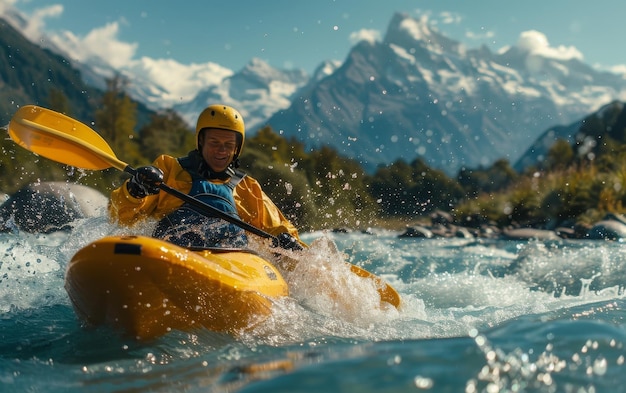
(145,287)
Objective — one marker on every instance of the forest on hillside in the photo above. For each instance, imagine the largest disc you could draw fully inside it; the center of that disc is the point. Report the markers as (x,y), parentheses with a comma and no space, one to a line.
(319,189)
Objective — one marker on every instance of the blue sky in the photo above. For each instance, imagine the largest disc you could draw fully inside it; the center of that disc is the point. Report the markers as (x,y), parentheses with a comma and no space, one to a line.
(302,34)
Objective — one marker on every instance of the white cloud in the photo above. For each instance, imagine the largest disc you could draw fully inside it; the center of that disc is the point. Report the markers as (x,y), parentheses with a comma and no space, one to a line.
(450,18)
(101,47)
(368,35)
(181,82)
(619,69)
(536,43)
(485,34)
(37,21)
(101,42)
(31,26)
(7,5)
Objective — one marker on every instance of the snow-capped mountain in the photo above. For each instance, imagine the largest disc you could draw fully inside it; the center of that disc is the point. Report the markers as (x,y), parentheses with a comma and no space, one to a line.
(421,94)
(158,84)
(416,94)
(257,91)
(578,134)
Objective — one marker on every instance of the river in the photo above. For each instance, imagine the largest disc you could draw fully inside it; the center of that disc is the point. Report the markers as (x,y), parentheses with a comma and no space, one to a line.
(477,315)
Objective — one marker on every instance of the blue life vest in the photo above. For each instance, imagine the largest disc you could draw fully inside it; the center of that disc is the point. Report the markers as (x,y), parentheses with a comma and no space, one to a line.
(188,228)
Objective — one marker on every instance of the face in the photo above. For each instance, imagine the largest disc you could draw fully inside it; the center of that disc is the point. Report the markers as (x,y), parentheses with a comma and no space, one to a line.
(218,148)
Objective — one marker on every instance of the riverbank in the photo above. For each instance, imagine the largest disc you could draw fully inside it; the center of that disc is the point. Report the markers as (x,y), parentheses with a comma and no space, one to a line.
(442,225)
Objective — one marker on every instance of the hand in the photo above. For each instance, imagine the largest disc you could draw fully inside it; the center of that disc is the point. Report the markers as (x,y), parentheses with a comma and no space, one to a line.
(145,181)
(287,242)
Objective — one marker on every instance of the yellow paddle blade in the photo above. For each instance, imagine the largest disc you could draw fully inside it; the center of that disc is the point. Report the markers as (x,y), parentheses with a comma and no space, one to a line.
(61,138)
(387,292)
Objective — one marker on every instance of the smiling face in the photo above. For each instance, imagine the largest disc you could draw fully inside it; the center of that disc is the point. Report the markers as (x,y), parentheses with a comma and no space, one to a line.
(218,148)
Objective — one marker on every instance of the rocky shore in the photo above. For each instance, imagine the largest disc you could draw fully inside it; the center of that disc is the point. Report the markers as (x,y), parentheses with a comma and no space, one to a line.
(611,227)
(50,206)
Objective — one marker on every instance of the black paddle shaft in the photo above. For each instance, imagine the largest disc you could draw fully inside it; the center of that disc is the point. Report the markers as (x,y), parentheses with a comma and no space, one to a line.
(209,210)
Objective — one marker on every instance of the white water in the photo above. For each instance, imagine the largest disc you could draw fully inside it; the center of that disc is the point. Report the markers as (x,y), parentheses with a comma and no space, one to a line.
(447,286)
(502,296)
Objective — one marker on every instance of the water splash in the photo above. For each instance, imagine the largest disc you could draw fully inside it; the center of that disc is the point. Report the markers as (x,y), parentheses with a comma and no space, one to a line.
(29,270)
(326,297)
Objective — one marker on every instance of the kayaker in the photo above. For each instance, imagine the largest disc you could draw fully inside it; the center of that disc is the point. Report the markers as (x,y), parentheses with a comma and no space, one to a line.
(210,174)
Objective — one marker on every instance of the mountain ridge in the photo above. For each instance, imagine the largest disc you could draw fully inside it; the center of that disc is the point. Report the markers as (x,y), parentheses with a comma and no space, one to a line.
(415,94)
(420,94)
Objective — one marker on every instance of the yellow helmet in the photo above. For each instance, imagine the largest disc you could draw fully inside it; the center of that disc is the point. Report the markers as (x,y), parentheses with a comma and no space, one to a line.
(222,117)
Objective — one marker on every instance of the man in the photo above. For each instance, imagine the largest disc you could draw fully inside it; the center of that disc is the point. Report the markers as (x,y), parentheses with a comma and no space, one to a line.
(209,174)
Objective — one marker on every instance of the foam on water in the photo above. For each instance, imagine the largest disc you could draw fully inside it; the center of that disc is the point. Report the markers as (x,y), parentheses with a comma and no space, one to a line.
(326,298)
(495,304)
(27,263)
(460,285)
(32,266)
(487,286)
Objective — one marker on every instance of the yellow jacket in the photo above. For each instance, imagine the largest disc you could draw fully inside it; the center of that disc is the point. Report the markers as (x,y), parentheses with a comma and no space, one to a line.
(253,205)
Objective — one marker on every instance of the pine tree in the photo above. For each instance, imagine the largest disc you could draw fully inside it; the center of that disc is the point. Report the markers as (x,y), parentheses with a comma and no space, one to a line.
(58,101)
(167,133)
(116,120)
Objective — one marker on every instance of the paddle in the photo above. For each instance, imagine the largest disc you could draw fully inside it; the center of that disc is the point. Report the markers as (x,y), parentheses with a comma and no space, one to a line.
(68,141)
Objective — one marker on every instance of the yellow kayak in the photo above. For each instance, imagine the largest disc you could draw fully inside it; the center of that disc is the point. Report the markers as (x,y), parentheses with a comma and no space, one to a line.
(145,287)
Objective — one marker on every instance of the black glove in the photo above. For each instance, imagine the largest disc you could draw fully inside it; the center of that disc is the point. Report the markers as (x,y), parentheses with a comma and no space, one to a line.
(145,181)
(288,242)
